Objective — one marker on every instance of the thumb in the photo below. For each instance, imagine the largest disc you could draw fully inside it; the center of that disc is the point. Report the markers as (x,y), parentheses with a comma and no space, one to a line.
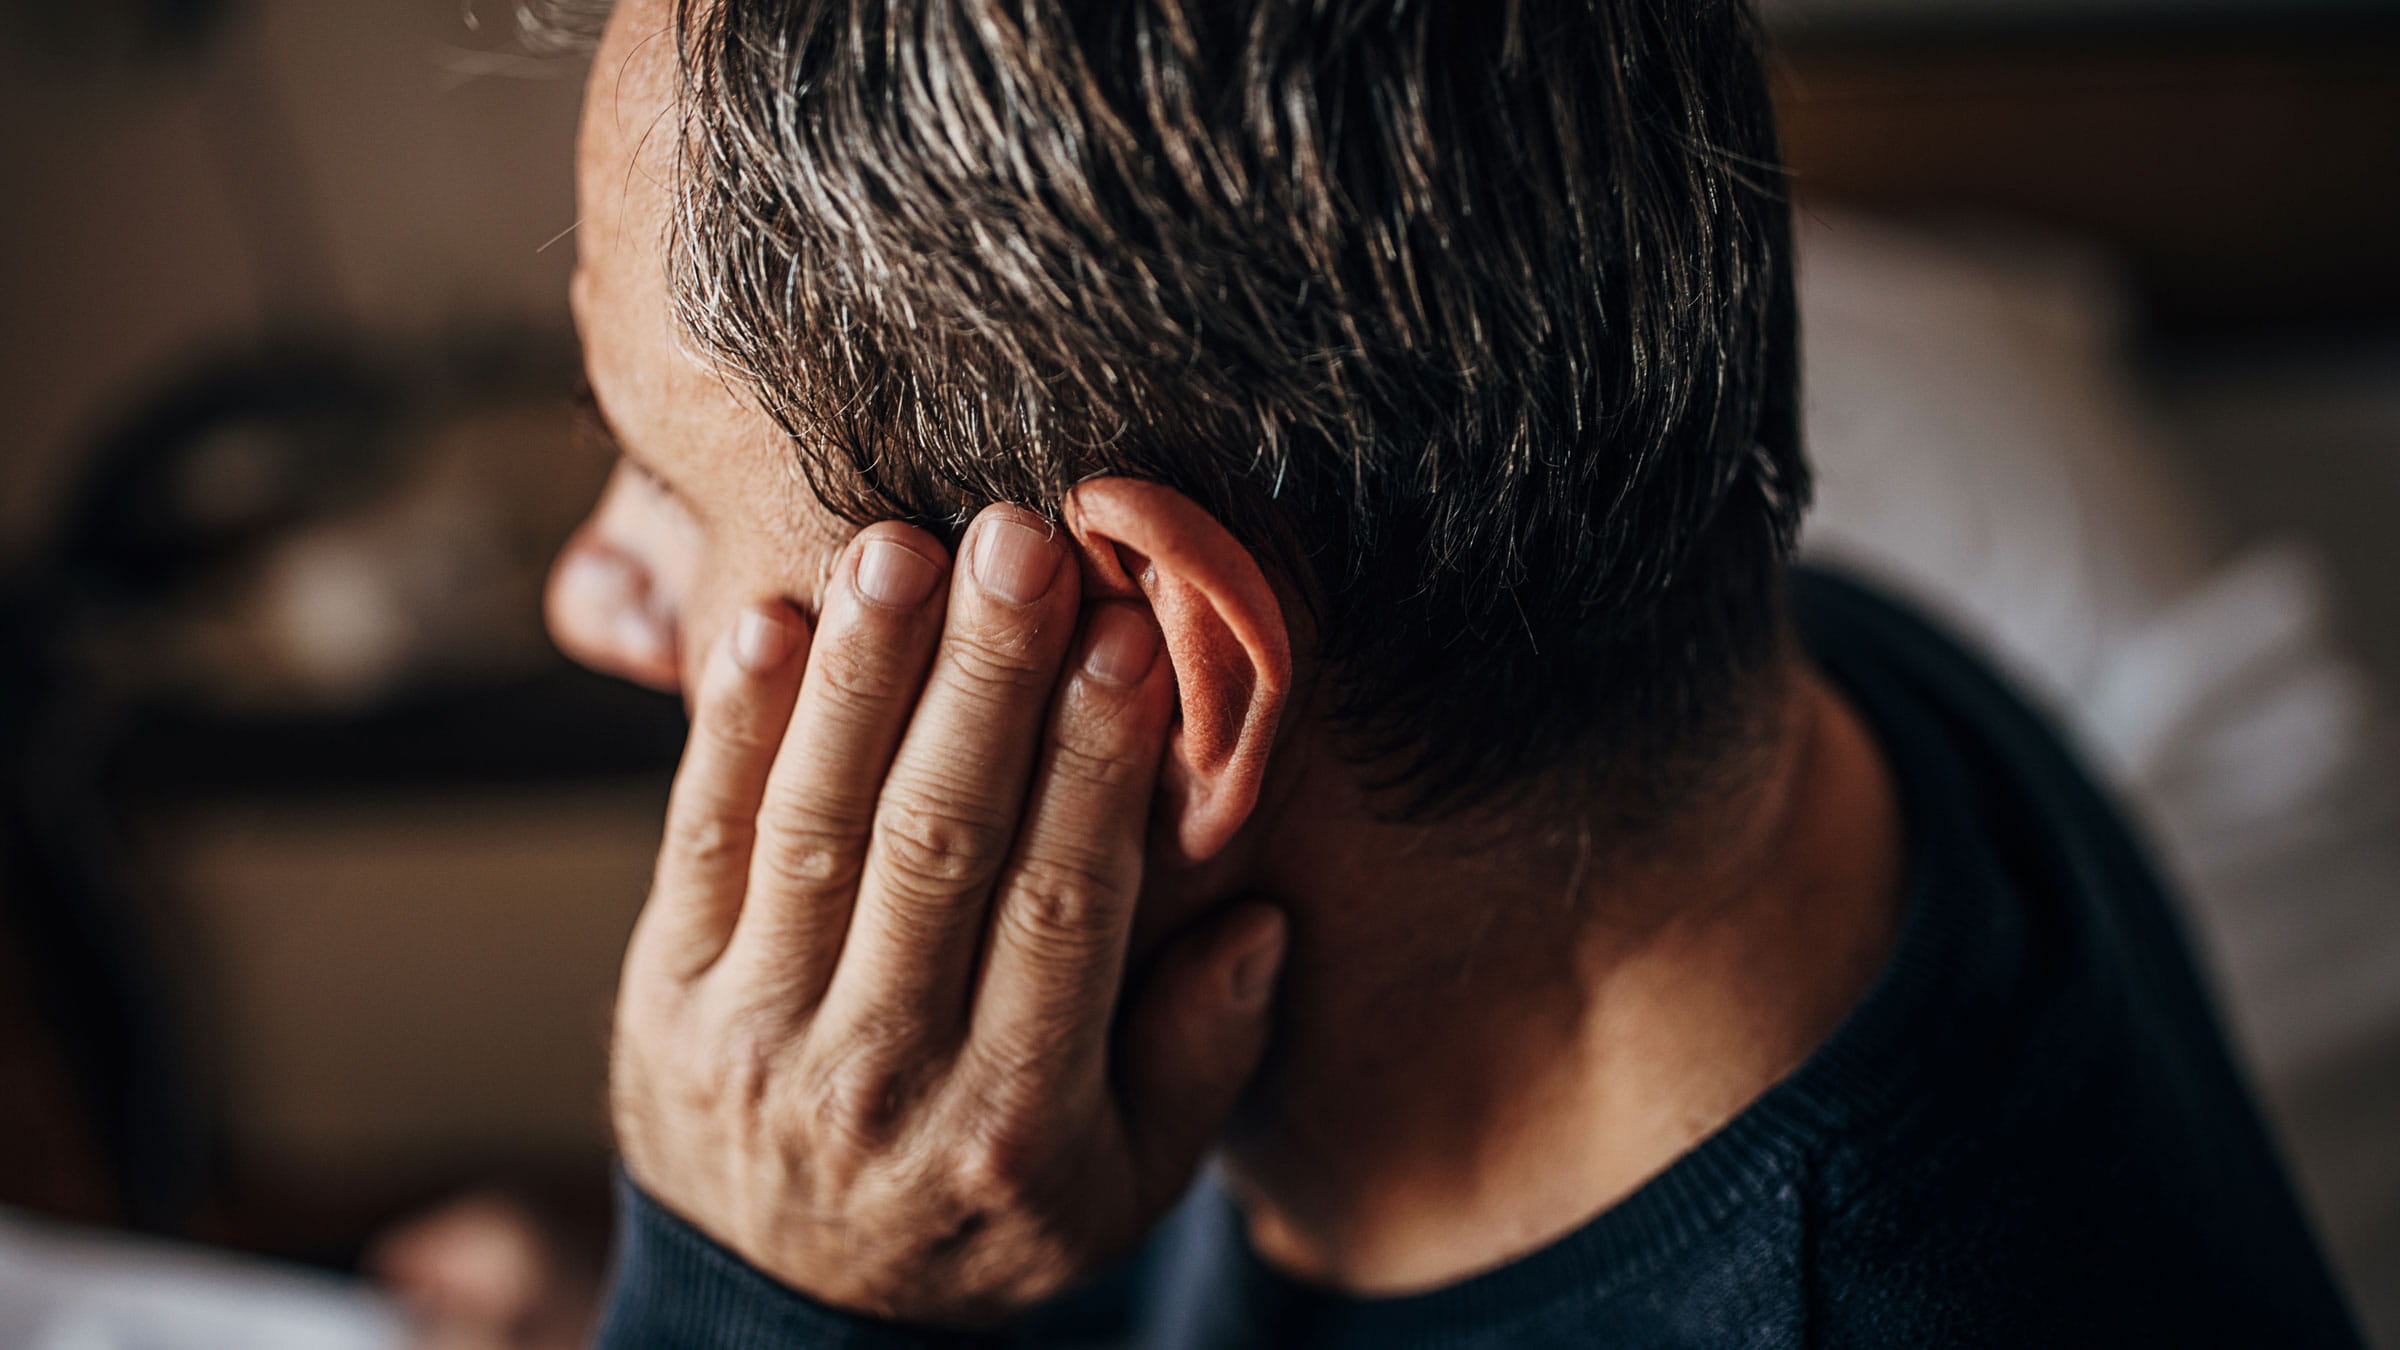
(1194,1037)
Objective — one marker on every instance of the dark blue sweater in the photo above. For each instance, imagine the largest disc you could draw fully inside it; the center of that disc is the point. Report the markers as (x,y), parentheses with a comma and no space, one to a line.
(2029,1133)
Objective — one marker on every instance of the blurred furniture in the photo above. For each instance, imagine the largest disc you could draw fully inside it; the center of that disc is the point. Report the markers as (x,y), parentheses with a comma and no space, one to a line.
(318,857)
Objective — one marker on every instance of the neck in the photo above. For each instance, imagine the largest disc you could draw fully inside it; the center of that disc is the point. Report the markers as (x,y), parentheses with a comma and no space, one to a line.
(1484,1046)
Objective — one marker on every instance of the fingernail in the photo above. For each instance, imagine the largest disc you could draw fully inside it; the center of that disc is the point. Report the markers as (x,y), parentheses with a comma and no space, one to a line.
(895,575)
(1124,645)
(1014,561)
(1254,973)
(761,640)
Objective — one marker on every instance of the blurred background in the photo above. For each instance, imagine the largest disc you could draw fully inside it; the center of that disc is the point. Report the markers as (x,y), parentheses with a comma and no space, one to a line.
(315,859)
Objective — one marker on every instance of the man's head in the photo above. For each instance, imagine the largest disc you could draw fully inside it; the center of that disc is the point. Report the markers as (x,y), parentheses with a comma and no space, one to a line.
(1470,324)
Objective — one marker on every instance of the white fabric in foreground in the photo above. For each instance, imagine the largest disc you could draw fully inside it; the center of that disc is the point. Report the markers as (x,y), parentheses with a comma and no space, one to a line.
(65,1288)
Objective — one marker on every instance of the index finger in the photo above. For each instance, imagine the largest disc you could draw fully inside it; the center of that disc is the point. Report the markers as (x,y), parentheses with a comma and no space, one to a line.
(874,637)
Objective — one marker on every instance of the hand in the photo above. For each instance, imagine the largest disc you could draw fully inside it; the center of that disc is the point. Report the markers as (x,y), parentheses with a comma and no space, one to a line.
(867,1034)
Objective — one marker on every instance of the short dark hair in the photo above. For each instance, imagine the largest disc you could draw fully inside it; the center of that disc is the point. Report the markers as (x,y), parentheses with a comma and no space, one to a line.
(1475,319)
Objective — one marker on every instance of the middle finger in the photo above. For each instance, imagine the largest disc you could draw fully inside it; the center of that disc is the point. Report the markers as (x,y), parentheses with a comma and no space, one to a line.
(950,804)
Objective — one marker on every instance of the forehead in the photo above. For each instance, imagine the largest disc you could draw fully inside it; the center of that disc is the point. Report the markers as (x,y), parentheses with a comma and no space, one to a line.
(646,375)
(625,153)
(625,166)
(677,412)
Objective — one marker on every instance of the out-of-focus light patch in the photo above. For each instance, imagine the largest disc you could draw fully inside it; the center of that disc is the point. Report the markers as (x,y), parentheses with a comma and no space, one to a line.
(337,615)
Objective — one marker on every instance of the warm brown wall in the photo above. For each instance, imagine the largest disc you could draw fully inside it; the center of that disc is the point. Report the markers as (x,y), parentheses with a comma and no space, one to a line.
(149,211)
(2245,178)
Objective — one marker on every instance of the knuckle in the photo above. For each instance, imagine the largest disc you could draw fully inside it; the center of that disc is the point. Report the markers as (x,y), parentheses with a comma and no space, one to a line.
(1000,660)
(859,675)
(938,850)
(710,836)
(733,1054)
(701,1069)
(1002,1171)
(1061,905)
(811,856)
(859,1103)
(723,744)
(1019,1069)
(1087,764)
(738,1091)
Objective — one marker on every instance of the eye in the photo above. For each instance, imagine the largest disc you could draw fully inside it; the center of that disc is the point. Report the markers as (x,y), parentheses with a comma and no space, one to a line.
(593,430)
(644,472)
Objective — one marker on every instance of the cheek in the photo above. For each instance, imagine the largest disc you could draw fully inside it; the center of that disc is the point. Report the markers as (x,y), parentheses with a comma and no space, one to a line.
(760,567)
(642,591)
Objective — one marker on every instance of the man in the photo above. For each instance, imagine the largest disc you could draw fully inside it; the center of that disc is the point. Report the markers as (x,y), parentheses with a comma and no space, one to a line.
(1364,732)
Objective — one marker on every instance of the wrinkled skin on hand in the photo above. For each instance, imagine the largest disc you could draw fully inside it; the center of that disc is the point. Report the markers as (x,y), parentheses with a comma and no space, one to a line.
(871,1032)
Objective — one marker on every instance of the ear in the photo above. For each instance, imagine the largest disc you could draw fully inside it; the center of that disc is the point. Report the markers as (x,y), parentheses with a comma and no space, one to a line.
(1225,637)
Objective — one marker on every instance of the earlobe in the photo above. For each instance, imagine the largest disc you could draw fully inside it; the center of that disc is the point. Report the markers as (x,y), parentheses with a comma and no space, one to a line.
(1225,637)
